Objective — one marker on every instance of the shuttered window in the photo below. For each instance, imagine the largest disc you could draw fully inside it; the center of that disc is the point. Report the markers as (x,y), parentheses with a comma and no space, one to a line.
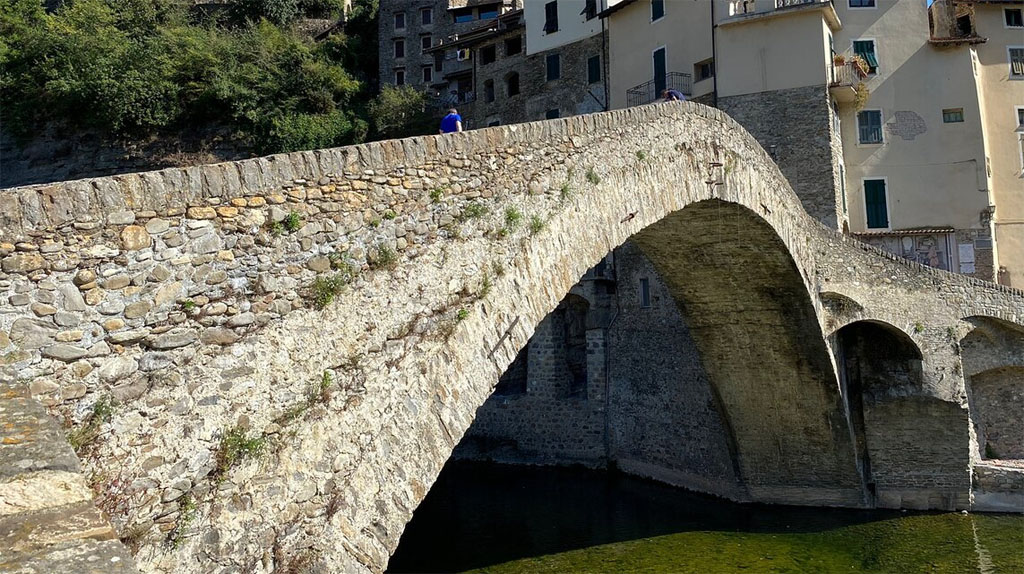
(866,49)
(1016,62)
(869,127)
(874,203)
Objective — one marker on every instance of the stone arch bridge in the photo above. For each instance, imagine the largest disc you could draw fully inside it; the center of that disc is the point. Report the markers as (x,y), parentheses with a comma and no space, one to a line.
(294,344)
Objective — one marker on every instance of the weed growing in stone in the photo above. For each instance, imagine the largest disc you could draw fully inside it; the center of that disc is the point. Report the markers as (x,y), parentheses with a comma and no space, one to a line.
(276,228)
(374,223)
(473,210)
(235,446)
(292,222)
(592,176)
(186,514)
(513,217)
(565,192)
(485,286)
(317,393)
(188,305)
(389,215)
(436,194)
(343,266)
(461,315)
(85,435)
(384,258)
(536,225)
(951,334)
(641,155)
(498,268)
(323,290)
(918,328)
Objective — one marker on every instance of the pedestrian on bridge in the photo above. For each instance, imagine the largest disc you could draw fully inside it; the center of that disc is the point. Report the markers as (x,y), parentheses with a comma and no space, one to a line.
(451,122)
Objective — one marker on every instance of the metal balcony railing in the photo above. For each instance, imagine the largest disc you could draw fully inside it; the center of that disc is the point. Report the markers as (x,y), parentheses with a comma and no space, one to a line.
(789,3)
(649,91)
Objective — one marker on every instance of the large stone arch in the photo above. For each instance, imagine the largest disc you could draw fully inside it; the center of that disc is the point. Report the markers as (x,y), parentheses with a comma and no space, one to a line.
(447,297)
(992,355)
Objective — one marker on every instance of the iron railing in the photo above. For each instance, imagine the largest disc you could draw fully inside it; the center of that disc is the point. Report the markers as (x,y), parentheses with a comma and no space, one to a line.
(789,3)
(649,91)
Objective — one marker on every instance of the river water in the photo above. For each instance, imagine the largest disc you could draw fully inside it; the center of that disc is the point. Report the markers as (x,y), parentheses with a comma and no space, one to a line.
(499,519)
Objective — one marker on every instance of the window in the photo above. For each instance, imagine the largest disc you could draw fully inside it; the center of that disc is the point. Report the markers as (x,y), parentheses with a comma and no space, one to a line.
(512,84)
(554,67)
(513,46)
(425,43)
(645,292)
(428,74)
(488,12)
(842,184)
(399,20)
(866,49)
(399,48)
(952,115)
(426,16)
(489,91)
(488,54)
(703,70)
(1016,56)
(862,3)
(551,114)
(590,9)
(399,77)
(463,15)
(657,9)
(593,69)
(875,205)
(1020,119)
(551,17)
(869,127)
(1013,17)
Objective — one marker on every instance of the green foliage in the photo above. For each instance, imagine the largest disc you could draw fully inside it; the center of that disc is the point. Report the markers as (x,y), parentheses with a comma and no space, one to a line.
(592,176)
(139,67)
(236,446)
(400,111)
(461,315)
(918,328)
(293,222)
(473,210)
(85,435)
(389,215)
(186,515)
(383,258)
(536,225)
(317,393)
(323,290)
(279,12)
(565,192)
(513,217)
(436,194)
(641,155)
(188,305)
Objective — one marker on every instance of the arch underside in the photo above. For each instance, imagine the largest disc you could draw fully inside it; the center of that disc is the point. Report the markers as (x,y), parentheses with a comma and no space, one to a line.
(761,345)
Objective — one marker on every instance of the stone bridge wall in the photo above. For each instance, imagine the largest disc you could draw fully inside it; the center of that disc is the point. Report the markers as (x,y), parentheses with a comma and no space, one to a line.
(187,296)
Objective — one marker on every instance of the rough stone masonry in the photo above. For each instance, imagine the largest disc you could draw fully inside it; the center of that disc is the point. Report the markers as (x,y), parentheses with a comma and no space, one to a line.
(264,364)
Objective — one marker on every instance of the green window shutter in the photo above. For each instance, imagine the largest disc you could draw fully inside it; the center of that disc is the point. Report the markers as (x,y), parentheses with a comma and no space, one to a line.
(874,200)
(866,49)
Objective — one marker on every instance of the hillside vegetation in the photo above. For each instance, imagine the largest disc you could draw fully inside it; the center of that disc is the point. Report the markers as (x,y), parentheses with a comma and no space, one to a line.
(137,68)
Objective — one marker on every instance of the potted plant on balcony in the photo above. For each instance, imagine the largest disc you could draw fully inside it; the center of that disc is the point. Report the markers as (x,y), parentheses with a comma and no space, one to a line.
(838,59)
(860,65)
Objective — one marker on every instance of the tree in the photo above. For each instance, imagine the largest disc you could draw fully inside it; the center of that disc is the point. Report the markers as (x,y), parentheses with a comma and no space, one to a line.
(400,111)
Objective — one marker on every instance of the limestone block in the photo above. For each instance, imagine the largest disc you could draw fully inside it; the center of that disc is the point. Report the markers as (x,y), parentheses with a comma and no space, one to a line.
(135,237)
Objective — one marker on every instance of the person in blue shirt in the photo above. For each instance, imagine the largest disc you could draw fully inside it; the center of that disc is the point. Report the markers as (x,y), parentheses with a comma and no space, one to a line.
(672,95)
(451,123)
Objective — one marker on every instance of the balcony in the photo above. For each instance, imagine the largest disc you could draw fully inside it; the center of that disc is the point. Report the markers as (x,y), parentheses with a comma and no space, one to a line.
(649,91)
(844,79)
